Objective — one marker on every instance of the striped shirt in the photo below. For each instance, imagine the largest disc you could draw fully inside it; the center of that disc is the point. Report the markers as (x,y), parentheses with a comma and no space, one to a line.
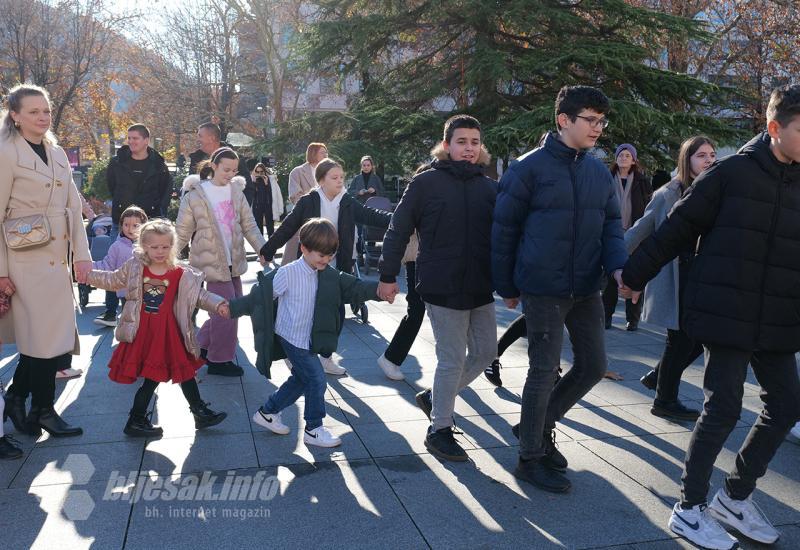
(295,286)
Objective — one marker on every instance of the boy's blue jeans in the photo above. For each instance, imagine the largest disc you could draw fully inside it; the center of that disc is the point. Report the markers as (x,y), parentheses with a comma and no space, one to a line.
(307,379)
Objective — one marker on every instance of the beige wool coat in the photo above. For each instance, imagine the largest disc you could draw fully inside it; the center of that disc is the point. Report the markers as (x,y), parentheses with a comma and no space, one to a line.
(301,180)
(42,316)
(191,294)
(196,223)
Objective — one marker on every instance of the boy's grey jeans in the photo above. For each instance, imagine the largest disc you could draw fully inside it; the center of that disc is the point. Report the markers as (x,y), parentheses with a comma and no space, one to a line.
(466,343)
(544,401)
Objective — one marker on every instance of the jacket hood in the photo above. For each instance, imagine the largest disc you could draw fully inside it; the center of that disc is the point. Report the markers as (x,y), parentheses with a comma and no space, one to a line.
(124,153)
(758,149)
(189,182)
(439,153)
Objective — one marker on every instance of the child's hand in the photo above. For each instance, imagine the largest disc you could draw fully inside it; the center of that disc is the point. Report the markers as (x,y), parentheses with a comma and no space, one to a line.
(223,310)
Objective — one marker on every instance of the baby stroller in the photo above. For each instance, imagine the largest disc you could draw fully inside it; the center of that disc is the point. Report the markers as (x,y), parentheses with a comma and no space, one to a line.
(99,233)
(372,236)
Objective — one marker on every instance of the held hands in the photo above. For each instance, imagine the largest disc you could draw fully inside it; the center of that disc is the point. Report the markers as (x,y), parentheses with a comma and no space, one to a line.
(224,310)
(6,286)
(624,290)
(82,270)
(387,291)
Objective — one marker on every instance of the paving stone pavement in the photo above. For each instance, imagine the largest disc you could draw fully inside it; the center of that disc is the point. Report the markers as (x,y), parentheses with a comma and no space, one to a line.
(237,485)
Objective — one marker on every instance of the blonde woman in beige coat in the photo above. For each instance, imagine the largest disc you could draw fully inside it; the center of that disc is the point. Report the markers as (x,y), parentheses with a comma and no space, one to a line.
(35,179)
(301,181)
(215,216)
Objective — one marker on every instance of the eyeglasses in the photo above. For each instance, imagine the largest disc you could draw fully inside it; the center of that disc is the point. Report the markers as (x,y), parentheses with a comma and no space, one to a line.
(595,122)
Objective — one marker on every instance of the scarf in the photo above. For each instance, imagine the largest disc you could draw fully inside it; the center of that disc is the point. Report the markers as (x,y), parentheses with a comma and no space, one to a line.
(624,196)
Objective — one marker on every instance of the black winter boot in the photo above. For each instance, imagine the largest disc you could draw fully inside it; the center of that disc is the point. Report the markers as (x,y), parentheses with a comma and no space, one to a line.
(205,417)
(139,425)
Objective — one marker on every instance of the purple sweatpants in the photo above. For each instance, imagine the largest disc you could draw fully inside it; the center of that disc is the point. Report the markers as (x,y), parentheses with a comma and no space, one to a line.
(218,335)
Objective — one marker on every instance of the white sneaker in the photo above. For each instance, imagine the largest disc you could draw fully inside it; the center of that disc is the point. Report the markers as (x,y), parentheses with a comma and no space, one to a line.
(321,437)
(698,526)
(744,516)
(391,370)
(330,367)
(272,422)
(68,374)
(794,434)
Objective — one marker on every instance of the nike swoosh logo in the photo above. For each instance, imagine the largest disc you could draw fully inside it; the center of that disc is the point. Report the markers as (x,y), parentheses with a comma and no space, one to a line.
(311,435)
(693,526)
(739,516)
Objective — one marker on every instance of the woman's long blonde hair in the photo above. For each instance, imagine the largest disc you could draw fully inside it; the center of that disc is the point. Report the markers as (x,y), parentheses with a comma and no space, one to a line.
(13,102)
(157,226)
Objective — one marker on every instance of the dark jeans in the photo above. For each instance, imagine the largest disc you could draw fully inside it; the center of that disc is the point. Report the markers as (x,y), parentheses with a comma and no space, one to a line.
(544,401)
(610,298)
(723,384)
(516,330)
(145,393)
(111,302)
(408,329)
(264,219)
(307,379)
(680,351)
(37,377)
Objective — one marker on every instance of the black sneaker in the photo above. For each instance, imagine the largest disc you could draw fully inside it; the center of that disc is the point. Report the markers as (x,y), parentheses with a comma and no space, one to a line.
(536,473)
(107,319)
(9,449)
(632,326)
(224,369)
(650,380)
(608,323)
(442,444)
(552,458)
(492,373)
(674,410)
(424,402)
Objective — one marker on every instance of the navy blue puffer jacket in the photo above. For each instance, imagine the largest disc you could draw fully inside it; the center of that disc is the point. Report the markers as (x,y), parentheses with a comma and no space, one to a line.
(556,224)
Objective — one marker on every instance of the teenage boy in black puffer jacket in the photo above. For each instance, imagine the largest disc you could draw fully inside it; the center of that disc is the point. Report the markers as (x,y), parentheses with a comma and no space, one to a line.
(450,206)
(742,302)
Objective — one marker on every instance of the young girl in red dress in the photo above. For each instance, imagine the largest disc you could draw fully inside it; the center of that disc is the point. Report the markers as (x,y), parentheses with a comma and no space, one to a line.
(156,332)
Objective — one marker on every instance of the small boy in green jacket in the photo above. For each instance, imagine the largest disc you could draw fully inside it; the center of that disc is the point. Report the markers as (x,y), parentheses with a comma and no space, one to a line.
(295,315)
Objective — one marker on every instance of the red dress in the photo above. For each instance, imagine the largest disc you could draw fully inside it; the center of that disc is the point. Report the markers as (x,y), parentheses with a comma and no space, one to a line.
(157,351)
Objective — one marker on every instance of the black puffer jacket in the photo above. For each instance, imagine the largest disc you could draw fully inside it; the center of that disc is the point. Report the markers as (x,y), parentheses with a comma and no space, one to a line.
(152,196)
(744,284)
(450,206)
(350,212)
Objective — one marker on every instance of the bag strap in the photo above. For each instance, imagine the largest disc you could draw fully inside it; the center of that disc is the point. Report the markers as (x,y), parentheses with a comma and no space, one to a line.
(52,186)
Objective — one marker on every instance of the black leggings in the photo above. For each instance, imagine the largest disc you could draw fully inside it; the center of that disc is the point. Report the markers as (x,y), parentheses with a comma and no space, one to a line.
(145,393)
(37,377)
(516,330)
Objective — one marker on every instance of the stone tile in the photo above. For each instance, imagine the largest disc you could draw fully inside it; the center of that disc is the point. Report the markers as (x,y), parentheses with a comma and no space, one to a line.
(64,464)
(350,502)
(180,455)
(391,408)
(64,515)
(487,507)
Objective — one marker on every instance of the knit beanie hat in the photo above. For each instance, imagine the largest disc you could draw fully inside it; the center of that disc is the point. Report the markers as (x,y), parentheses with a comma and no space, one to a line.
(626,146)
